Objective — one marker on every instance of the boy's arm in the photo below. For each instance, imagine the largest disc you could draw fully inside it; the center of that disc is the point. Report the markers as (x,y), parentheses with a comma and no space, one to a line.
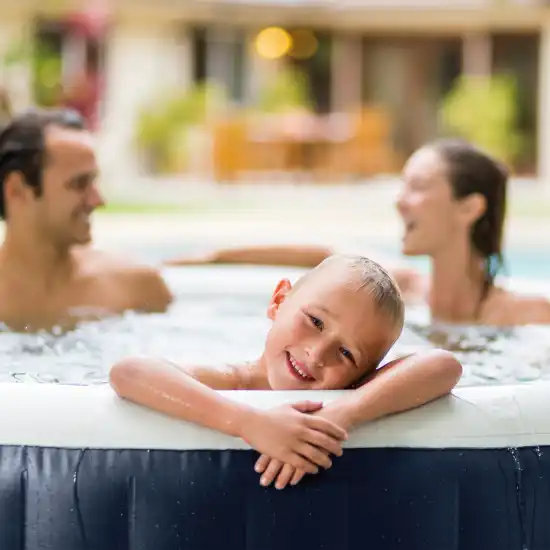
(303,439)
(400,385)
(167,388)
(297,256)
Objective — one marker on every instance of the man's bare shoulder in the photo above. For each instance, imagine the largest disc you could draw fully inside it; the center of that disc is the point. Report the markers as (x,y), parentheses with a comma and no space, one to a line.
(93,261)
(143,282)
(512,308)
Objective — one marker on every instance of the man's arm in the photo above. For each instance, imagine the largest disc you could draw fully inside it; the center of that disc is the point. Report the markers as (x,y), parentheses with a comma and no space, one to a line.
(150,293)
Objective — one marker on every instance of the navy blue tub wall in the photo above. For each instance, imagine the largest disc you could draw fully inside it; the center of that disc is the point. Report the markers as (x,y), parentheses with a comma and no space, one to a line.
(82,470)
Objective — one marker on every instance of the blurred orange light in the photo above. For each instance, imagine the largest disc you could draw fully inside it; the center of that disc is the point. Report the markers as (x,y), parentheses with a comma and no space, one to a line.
(304,44)
(273,43)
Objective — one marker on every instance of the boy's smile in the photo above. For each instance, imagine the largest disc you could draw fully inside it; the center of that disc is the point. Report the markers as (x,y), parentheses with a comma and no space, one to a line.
(298,369)
(328,331)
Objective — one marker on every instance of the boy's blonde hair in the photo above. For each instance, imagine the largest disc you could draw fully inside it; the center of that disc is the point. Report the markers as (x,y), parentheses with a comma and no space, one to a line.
(371,277)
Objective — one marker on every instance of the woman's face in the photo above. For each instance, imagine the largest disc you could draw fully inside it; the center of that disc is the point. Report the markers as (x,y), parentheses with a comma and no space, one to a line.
(427,206)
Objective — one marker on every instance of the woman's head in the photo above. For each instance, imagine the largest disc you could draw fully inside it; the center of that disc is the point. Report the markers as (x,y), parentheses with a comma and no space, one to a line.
(453,192)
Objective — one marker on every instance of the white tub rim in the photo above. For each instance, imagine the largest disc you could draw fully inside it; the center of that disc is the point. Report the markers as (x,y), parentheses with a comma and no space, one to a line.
(93,417)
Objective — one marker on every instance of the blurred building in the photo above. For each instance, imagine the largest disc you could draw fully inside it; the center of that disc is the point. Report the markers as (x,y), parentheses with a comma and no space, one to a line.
(402,54)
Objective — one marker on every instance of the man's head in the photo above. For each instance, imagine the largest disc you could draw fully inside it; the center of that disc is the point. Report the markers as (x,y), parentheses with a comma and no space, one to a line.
(48,174)
(334,326)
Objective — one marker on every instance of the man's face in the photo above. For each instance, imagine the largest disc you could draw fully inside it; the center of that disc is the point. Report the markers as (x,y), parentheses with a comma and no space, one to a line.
(69,190)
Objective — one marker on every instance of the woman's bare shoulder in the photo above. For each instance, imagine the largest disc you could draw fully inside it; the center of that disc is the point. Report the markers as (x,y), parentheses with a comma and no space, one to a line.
(508,308)
(413,285)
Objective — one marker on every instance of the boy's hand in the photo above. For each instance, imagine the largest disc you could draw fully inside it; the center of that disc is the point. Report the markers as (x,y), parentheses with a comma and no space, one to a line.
(285,474)
(272,469)
(291,434)
(335,414)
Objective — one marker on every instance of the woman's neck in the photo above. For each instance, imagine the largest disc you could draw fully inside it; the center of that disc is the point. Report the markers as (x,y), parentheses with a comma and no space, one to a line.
(457,285)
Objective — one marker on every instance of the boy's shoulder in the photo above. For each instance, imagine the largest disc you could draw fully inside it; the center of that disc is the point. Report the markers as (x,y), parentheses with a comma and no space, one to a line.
(243,376)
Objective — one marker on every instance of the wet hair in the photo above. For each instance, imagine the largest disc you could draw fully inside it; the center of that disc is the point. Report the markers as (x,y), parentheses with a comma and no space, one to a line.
(23,146)
(470,170)
(369,276)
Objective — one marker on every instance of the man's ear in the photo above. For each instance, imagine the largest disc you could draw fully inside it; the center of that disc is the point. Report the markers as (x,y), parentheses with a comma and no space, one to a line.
(279,295)
(15,188)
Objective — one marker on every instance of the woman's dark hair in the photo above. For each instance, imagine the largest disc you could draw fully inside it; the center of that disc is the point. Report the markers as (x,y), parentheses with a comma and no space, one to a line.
(470,170)
(22,146)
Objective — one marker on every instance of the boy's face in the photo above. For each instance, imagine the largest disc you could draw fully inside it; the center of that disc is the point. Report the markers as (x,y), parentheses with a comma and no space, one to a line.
(326,333)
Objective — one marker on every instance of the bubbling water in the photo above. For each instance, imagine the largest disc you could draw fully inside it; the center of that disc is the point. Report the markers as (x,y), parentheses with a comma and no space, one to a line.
(211,325)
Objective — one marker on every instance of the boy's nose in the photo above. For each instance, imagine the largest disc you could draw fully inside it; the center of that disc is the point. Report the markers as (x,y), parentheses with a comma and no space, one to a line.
(400,202)
(317,352)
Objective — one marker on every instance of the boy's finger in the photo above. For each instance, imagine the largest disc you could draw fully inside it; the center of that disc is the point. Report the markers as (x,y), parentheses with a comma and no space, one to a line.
(315,455)
(271,472)
(301,463)
(262,463)
(284,477)
(297,477)
(324,442)
(307,406)
(326,426)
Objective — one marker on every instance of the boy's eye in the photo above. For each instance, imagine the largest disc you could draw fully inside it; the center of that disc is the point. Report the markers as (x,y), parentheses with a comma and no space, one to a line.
(316,322)
(347,354)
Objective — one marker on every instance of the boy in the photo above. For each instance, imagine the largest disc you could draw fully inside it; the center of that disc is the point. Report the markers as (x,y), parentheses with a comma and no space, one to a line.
(329,331)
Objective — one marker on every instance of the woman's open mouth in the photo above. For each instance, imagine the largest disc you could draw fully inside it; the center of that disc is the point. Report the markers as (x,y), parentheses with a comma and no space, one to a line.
(297,369)
(409,226)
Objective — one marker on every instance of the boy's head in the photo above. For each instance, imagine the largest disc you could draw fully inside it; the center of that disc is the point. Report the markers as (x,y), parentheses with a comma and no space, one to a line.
(332,327)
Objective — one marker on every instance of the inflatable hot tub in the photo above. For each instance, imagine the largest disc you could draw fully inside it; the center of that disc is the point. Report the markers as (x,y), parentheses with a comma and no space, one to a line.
(81,470)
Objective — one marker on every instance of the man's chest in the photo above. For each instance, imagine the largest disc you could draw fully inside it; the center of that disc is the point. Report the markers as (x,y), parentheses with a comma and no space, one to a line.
(27,307)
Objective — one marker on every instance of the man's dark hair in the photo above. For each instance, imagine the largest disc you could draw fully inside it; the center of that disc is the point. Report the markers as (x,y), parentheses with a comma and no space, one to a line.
(23,149)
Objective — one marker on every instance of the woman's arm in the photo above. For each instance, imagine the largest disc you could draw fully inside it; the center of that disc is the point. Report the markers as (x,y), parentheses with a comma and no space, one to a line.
(408,280)
(286,431)
(297,256)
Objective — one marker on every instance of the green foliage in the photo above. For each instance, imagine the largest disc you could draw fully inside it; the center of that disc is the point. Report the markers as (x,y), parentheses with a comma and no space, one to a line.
(45,63)
(162,124)
(287,90)
(485,111)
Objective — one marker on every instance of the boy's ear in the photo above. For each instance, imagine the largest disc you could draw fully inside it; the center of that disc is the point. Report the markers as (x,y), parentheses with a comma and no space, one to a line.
(279,295)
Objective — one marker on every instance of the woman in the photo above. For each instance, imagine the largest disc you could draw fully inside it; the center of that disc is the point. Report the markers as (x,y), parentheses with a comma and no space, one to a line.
(453,204)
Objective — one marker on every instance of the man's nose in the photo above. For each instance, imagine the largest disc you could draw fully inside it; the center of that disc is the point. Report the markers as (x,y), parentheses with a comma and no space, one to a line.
(95,198)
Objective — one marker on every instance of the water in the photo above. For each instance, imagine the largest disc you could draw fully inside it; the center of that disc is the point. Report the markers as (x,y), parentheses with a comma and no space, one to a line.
(219,316)
(522,263)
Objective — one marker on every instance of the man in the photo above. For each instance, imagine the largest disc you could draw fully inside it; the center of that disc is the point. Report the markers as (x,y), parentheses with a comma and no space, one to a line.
(49,275)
